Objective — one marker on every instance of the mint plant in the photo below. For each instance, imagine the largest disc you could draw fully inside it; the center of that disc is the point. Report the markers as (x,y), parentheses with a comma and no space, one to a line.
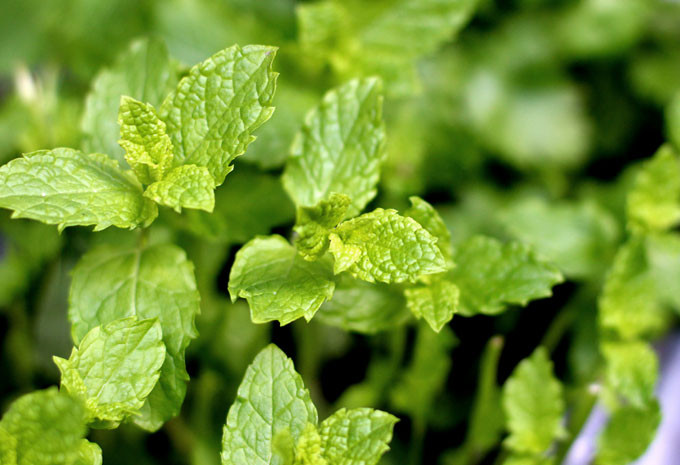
(459,220)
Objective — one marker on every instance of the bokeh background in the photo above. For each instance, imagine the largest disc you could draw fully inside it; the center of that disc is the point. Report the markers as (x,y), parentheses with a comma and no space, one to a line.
(528,124)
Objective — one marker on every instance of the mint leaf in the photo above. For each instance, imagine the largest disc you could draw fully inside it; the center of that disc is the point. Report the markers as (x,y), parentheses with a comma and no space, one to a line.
(46,428)
(632,370)
(148,149)
(663,259)
(271,399)
(309,450)
(628,304)
(533,405)
(157,281)
(69,188)
(143,72)
(340,148)
(89,453)
(187,186)
(429,218)
(492,275)
(216,107)
(654,201)
(313,224)
(385,246)
(436,301)
(277,282)
(364,307)
(356,437)
(628,434)
(115,368)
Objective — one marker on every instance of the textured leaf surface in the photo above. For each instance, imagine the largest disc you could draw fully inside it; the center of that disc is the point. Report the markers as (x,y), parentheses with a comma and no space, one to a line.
(309,450)
(356,437)
(89,453)
(148,149)
(628,434)
(143,72)
(364,307)
(69,188)
(46,428)
(429,218)
(385,246)
(632,370)
(533,404)
(115,367)
(277,282)
(654,201)
(147,282)
(271,399)
(340,148)
(492,275)
(436,302)
(187,186)
(628,304)
(313,224)
(214,110)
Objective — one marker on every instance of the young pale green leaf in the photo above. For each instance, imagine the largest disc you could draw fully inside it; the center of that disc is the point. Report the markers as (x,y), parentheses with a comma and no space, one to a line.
(46,428)
(143,72)
(533,405)
(271,399)
(147,282)
(115,368)
(632,369)
(89,453)
(385,246)
(313,225)
(628,434)
(148,149)
(216,107)
(340,148)
(429,218)
(663,258)
(356,437)
(628,304)
(187,186)
(309,450)
(363,307)
(277,282)
(435,301)
(492,275)
(69,188)
(654,201)
(424,379)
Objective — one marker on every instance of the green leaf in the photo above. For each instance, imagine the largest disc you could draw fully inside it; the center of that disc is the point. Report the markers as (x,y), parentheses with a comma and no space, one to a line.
(69,188)
(385,246)
(424,379)
(628,434)
(673,121)
(363,307)
(356,437)
(533,405)
(492,275)
(628,304)
(308,450)
(216,107)
(187,186)
(313,224)
(46,428)
(663,259)
(115,368)
(277,282)
(113,282)
(435,301)
(143,72)
(89,453)
(429,218)
(271,398)
(340,148)
(654,201)
(148,149)
(632,370)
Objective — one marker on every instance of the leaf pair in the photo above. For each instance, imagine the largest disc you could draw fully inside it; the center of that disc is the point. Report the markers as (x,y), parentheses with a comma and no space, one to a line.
(183,151)
(273,420)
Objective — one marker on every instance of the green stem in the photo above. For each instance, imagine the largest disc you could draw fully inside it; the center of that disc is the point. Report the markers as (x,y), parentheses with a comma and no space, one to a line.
(558,327)
(417,440)
(585,401)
